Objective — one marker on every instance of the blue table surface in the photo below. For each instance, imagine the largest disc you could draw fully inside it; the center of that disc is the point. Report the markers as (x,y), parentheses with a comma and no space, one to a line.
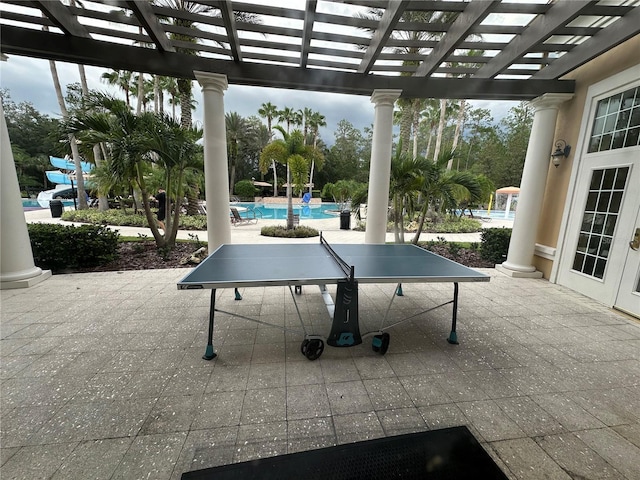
(281,264)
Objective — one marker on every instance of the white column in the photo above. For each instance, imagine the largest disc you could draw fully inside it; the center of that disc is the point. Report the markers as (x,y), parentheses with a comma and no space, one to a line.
(380,169)
(17,269)
(532,186)
(216,171)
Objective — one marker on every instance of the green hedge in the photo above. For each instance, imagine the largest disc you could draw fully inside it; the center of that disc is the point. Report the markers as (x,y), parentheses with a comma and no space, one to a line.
(59,247)
(297,232)
(129,219)
(494,244)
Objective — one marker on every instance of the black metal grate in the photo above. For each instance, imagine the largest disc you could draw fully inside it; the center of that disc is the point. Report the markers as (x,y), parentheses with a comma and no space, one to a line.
(451,453)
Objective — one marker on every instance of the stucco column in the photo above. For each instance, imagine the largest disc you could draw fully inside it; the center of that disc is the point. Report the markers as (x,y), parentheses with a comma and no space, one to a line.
(532,186)
(17,269)
(216,171)
(380,169)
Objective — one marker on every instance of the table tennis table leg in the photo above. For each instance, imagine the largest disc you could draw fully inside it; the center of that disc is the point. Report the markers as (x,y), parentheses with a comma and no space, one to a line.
(209,354)
(453,336)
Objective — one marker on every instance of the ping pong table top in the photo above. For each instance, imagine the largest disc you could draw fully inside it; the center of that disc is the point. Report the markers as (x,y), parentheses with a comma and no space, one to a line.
(233,266)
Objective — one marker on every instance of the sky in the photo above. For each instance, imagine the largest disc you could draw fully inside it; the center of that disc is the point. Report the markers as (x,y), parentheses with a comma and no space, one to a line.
(29,80)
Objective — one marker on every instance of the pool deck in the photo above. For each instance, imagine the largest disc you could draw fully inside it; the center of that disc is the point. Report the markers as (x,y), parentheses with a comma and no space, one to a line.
(250,233)
(102,376)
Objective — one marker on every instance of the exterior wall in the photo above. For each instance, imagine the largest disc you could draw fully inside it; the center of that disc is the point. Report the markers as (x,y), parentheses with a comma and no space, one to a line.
(567,128)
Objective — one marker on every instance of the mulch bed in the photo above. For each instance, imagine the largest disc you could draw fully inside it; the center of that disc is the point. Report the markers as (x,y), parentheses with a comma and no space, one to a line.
(145,256)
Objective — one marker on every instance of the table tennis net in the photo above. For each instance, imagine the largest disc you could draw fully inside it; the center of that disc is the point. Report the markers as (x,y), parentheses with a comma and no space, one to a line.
(346,268)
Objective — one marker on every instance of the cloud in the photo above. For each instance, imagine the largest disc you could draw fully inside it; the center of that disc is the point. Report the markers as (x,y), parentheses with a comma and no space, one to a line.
(29,80)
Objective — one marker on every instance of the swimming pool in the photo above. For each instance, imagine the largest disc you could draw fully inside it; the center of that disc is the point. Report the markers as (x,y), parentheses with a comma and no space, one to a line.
(32,204)
(278,211)
(497,214)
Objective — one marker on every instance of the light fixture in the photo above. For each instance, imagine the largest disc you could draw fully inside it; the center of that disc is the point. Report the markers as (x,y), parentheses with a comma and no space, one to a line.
(562,150)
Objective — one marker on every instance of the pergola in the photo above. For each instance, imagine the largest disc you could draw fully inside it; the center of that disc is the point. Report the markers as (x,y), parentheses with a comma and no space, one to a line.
(477,49)
(519,50)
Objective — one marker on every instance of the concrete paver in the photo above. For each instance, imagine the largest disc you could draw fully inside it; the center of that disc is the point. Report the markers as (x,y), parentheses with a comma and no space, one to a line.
(102,377)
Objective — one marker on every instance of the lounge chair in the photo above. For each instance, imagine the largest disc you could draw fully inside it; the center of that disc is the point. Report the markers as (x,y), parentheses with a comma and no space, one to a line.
(237,220)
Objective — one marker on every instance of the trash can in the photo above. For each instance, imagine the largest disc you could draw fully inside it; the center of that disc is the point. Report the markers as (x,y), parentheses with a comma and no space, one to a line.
(345,220)
(57,208)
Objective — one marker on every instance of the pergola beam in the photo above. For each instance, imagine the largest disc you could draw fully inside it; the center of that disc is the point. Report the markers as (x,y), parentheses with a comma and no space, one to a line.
(307,31)
(541,28)
(229,20)
(98,53)
(62,17)
(389,20)
(622,30)
(475,12)
(144,13)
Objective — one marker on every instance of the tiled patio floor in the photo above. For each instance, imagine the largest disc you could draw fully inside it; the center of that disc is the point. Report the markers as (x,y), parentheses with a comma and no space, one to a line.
(102,377)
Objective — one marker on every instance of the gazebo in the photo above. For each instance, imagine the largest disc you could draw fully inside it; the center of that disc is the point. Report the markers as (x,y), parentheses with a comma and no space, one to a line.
(509,192)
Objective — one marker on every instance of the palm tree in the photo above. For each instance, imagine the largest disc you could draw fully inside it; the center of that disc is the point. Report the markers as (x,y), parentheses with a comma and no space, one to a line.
(406,179)
(236,127)
(81,195)
(169,85)
(314,120)
(430,116)
(441,189)
(292,152)
(190,9)
(134,142)
(121,79)
(270,111)
(306,113)
(287,115)
(409,116)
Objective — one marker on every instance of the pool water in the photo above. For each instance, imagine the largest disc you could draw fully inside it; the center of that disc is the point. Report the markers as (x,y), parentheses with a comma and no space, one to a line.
(32,204)
(278,211)
(497,214)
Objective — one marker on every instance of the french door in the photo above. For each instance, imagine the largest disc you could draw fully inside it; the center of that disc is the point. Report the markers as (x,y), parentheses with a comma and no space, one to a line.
(601,251)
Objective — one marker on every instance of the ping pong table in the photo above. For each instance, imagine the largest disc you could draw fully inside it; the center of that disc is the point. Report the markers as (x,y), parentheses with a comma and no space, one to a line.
(346,265)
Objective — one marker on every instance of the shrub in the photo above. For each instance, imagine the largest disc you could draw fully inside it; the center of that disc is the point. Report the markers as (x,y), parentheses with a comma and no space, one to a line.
(281,231)
(129,219)
(448,224)
(494,244)
(59,247)
(245,189)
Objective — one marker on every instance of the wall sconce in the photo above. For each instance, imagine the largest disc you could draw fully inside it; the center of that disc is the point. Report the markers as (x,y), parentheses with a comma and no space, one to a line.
(562,150)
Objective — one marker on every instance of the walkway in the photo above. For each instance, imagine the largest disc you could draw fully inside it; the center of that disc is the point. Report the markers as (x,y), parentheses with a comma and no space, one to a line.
(251,233)
(102,377)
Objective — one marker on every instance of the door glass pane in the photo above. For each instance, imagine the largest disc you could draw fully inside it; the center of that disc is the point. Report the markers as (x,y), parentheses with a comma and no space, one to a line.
(615,117)
(603,201)
(597,231)
(632,138)
(609,176)
(621,178)
(616,200)
(627,99)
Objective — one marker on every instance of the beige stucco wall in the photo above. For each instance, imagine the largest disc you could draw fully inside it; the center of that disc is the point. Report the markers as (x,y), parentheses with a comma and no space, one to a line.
(612,62)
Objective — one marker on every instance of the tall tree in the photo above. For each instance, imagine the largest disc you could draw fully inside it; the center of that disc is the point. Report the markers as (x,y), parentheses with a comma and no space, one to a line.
(121,79)
(188,10)
(288,116)
(236,130)
(292,152)
(314,120)
(406,178)
(134,142)
(270,111)
(81,195)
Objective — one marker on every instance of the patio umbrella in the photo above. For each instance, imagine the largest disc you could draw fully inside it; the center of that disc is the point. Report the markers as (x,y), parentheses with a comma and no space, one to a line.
(510,192)
(257,183)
